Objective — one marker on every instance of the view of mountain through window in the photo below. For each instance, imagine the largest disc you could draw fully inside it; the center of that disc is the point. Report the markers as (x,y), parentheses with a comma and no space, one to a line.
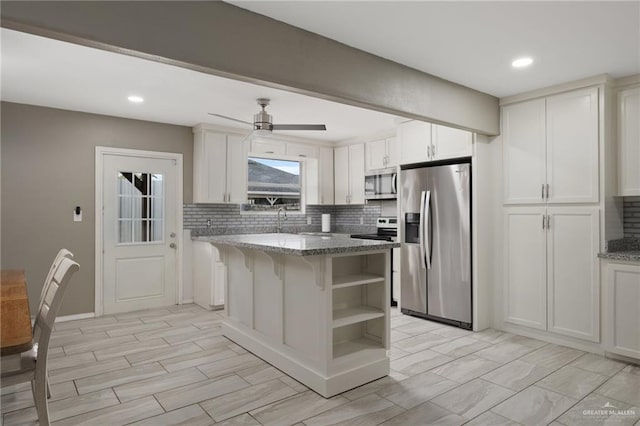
(273,184)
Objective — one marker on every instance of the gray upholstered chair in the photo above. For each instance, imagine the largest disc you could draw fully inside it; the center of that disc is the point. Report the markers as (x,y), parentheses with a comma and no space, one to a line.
(33,363)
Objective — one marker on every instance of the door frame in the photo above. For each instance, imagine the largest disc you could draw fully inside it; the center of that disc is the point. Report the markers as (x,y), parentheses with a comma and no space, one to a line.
(101,152)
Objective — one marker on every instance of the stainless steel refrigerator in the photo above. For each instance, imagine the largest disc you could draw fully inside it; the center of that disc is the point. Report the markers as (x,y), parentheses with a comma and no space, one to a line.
(435,232)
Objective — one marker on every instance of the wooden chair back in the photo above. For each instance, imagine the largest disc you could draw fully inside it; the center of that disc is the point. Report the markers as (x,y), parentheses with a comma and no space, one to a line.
(56,261)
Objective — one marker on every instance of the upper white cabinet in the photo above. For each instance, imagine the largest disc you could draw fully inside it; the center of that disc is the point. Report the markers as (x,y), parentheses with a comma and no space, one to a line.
(414,138)
(301,150)
(219,167)
(325,169)
(621,315)
(447,142)
(421,142)
(550,149)
(629,141)
(349,174)
(381,154)
(268,146)
(552,270)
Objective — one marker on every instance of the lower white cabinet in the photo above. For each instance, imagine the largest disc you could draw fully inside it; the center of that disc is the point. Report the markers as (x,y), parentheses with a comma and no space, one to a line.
(551,269)
(622,308)
(395,274)
(209,275)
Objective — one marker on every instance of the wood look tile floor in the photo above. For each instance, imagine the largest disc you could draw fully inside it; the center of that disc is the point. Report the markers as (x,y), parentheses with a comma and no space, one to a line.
(172,366)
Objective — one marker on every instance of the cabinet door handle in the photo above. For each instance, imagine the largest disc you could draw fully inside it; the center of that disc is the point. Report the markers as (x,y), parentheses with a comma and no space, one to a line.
(543,218)
(433,151)
(548,221)
(547,186)
(429,151)
(301,155)
(542,191)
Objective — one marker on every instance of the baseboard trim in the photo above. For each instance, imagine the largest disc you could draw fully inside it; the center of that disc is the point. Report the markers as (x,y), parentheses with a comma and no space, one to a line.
(187,301)
(76,317)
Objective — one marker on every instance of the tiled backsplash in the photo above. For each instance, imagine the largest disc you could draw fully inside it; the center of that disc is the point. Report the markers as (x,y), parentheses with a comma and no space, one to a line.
(632,217)
(227,217)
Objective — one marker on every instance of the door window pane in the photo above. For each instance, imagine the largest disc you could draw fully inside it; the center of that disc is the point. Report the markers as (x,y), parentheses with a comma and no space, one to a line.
(140,207)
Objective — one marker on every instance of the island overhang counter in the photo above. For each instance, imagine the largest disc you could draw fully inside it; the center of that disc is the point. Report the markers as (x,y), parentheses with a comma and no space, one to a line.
(315,307)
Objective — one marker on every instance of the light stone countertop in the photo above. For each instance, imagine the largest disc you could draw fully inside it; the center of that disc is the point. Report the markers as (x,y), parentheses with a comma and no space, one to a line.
(298,244)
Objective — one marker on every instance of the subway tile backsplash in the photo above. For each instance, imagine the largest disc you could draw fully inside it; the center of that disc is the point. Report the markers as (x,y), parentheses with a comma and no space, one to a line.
(632,217)
(226,218)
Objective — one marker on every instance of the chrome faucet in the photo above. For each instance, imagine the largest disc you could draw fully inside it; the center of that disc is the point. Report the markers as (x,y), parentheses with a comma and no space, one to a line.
(280,219)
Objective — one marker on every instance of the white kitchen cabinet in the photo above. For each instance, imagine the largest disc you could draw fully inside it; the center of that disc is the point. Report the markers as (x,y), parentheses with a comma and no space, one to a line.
(219,167)
(629,142)
(572,147)
(381,154)
(622,316)
(414,138)
(550,149)
(349,174)
(421,142)
(573,276)
(447,142)
(268,146)
(209,275)
(525,291)
(524,152)
(326,175)
(551,269)
(395,272)
(301,150)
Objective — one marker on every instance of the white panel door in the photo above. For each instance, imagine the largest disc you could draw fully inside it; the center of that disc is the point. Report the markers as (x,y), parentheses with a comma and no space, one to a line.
(525,290)
(236,169)
(376,152)
(573,274)
(629,140)
(523,152)
(572,147)
(451,143)
(414,138)
(341,171)
(356,173)
(139,233)
(622,316)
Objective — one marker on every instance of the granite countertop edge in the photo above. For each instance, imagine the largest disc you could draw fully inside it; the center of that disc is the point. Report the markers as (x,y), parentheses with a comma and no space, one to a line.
(627,256)
(329,245)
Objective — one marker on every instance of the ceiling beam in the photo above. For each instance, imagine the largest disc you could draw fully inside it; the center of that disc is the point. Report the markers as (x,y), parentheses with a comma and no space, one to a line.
(225,40)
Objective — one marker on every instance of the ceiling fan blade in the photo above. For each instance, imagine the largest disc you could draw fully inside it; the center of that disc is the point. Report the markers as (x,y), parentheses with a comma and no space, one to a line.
(299,127)
(232,119)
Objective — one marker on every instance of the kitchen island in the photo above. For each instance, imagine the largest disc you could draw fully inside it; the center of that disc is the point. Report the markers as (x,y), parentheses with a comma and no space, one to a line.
(315,307)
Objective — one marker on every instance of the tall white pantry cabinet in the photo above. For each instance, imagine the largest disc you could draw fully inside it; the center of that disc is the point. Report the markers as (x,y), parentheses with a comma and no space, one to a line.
(551,181)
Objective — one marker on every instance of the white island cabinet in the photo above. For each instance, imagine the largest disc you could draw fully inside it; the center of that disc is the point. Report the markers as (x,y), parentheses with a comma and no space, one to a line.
(315,307)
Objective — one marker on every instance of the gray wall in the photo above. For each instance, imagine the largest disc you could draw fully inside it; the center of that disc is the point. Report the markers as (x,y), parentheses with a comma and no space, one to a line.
(48,169)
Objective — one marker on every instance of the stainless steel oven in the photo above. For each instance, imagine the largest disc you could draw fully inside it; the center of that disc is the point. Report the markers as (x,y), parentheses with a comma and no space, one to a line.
(381,185)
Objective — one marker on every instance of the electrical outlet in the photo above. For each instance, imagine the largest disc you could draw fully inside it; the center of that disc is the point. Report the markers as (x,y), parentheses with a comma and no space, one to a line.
(361,220)
(308,220)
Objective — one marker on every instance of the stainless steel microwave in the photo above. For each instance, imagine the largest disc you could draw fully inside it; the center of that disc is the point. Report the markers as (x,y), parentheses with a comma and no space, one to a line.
(382,185)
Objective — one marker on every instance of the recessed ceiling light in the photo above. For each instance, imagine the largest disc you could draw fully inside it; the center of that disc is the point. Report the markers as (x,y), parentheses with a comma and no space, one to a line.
(522,62)
(136,99)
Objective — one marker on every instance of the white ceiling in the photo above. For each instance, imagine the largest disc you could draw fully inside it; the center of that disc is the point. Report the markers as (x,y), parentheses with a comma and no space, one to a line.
(46,72)
(473,42)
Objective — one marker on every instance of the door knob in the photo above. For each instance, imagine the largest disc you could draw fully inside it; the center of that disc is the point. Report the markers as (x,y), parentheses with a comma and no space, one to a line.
(172,235)
(172,245)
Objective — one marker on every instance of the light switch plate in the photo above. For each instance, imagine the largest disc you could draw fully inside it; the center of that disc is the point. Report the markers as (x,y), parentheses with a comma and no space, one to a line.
(308,220)
(77,217)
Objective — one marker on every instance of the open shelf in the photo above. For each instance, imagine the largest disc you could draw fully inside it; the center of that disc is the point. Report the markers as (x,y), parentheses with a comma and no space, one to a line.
(352,315)
(353,346)
(349,280)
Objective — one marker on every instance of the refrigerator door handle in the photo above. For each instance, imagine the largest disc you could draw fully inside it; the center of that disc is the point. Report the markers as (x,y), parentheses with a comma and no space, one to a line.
(394,184)
(423,257)
(426,239)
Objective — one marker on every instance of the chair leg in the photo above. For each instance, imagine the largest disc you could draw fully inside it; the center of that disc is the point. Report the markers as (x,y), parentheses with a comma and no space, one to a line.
(39,388)
(48,388)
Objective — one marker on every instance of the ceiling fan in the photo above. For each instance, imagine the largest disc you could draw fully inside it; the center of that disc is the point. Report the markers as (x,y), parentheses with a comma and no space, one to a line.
(264,122)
